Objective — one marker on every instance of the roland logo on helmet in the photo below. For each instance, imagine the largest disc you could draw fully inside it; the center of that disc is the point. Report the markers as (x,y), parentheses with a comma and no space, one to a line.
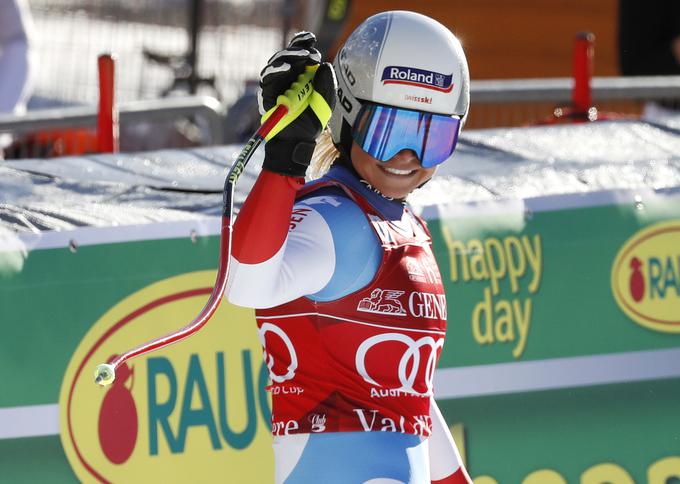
(411,76)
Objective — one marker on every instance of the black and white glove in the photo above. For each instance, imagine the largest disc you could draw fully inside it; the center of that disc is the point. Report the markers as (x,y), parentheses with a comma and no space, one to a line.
(290,151)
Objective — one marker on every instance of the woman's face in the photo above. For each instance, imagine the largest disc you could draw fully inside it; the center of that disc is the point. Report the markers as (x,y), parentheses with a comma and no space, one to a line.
(395,178)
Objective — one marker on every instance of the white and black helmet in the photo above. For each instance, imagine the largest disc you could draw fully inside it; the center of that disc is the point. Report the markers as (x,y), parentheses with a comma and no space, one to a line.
(401,59)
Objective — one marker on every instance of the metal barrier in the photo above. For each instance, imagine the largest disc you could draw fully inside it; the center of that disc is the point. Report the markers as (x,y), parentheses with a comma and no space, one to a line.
(495,103)
(559,90)
(54,132)
(569,100)
(501,103)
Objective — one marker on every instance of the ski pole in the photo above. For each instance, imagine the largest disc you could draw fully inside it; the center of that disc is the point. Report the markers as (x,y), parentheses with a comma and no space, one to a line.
(288,106)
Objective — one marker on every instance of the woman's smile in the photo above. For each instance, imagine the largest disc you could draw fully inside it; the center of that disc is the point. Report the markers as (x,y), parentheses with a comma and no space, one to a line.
(395,178)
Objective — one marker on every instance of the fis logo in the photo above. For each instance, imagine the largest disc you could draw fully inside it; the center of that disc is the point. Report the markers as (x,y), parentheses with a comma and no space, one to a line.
(410,76)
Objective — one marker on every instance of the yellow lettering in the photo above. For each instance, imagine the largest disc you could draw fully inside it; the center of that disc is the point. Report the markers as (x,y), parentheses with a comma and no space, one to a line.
(535,257)
(544,476)
(523,321)
(496,262)
(505,330)
(664,470)
(516,261)
(483,309)
(606,473)
(456,248)
(458,434)
(477,261)
(485,480)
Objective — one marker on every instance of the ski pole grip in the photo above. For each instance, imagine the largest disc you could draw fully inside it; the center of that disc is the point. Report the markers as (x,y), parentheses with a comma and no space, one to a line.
(296,99)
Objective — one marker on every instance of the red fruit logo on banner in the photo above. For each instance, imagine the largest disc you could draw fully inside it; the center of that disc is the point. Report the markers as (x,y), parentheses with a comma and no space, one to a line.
(637,280)
(645,277)
(196,411)
(117,437)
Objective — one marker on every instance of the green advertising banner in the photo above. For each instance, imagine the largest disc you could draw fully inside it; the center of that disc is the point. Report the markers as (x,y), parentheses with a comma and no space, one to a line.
(562,360)
(563,348)
(533,284)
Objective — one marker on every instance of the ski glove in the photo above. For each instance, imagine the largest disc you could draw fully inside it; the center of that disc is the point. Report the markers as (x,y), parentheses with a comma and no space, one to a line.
(290,151)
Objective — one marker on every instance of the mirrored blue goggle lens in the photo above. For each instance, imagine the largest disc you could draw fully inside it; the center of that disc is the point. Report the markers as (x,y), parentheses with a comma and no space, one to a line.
(383,131)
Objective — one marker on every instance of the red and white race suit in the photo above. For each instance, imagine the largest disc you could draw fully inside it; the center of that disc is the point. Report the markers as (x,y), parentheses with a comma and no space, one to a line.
(365,361)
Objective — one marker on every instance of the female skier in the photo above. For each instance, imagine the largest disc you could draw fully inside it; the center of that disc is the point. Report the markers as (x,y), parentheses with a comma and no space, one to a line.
(350,305)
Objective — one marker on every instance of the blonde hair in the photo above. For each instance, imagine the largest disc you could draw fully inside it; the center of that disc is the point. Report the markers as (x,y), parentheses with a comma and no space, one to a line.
(324,155)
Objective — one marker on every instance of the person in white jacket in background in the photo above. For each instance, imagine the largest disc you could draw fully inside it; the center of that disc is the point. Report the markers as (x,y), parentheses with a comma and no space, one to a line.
(16,87)
(16,26)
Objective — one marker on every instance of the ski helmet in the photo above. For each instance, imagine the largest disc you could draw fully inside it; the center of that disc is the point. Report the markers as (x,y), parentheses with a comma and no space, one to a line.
(400,59)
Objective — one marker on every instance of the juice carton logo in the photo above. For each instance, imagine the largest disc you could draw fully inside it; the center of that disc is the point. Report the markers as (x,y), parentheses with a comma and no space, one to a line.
(196,411)
(645,277)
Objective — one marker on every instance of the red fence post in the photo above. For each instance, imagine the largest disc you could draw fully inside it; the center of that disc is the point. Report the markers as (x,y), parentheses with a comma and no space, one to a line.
(107,119)
(583,72)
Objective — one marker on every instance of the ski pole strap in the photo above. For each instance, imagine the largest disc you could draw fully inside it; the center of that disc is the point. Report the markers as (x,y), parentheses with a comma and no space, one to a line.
(300,95)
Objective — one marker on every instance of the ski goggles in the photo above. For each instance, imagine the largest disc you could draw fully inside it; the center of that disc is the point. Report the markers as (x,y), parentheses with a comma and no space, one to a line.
(383,131)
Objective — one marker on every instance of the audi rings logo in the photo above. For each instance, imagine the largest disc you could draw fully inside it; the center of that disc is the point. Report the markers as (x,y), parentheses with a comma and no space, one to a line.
(269,358)
(409,364)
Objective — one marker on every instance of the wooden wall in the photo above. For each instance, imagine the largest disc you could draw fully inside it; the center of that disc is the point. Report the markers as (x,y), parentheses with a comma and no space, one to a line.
(515,38)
